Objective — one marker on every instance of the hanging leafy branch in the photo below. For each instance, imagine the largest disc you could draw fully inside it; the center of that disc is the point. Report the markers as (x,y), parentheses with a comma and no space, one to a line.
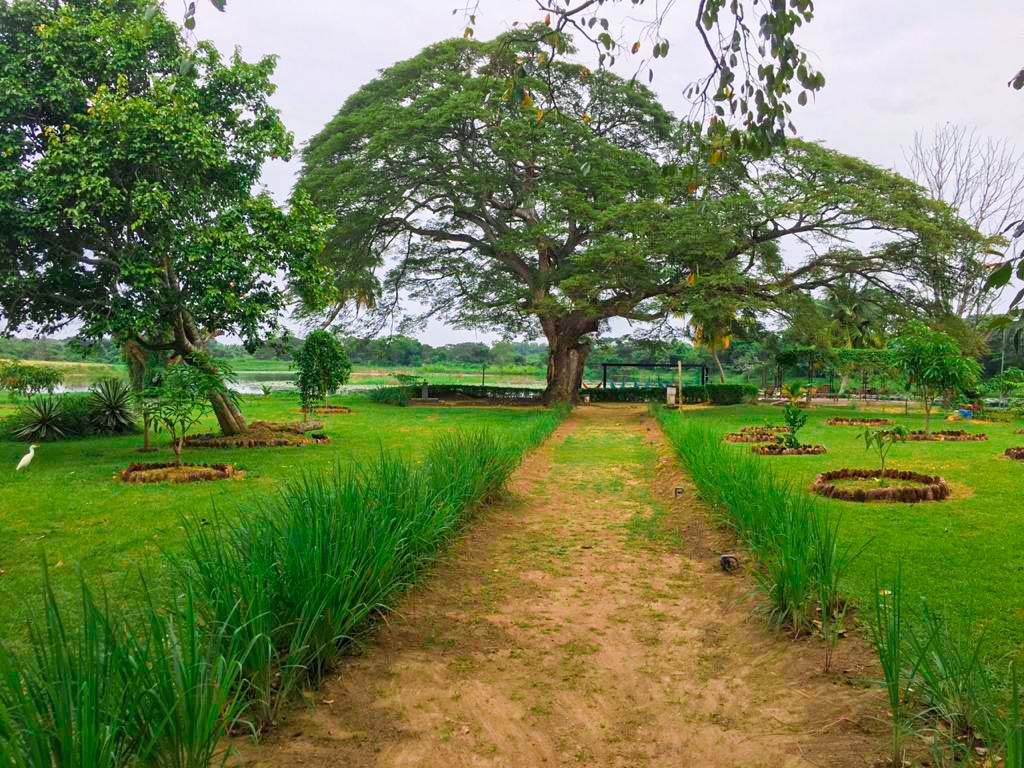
(756,68)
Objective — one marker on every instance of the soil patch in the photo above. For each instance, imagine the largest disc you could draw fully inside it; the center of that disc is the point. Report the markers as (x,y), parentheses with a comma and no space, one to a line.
(585,620)
(777,449)
(1015,453)
(862,485)
(172,473)
(855,422)
(947,436)
(263,434)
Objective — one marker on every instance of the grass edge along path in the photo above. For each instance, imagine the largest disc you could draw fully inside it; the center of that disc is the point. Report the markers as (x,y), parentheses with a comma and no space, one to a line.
(939,685)
(241,640)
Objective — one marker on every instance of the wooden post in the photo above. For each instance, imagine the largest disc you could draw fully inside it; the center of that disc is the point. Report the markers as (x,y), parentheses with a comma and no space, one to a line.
(679,380)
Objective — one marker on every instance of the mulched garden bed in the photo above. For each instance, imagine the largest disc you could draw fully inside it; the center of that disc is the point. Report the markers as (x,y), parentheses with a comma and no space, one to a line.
(947,435)
(774,429)
(778,449)
(750,437)
(172,473)
(333,409)
(263,434)
(839,421)
(1015,453)
(927,488)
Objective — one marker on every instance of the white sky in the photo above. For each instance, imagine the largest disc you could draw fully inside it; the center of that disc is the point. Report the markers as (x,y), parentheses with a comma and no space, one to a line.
(891,66)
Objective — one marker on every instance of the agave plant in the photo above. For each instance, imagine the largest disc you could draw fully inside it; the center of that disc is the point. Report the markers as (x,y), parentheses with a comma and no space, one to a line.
(111,407)
(41,418)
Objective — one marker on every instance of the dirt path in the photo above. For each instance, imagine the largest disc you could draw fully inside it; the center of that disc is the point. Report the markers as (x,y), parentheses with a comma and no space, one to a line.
(584,621)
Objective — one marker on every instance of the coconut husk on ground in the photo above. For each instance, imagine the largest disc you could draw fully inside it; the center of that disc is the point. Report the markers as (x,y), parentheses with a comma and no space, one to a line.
(777,449)
(1015,453)
(172,473)
(927,488)
(333,409)
(263,434)
(774,429)
(840,421)
(946,435)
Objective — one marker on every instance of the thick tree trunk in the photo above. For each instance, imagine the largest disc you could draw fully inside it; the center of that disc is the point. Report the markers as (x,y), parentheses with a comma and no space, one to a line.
(567,354)
(230,419)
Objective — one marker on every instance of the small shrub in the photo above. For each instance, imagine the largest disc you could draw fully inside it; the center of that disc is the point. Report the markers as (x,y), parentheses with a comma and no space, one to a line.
(41,419)
(182,400)
(882,440)
(795,420)
(391,395)
(730,394)
(322,367)
(76,421)
(110,407)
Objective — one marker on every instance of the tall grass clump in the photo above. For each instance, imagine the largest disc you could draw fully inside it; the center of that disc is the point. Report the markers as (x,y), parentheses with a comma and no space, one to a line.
(112,691)
(1013,724)
(294,579)
(794,542)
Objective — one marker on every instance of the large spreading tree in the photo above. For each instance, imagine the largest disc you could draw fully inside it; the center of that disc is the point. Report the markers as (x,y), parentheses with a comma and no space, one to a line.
(128,161)
(582,199)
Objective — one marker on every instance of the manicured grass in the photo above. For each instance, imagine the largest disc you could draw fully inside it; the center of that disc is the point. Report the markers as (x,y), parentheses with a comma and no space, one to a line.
(69,506)
(966,552)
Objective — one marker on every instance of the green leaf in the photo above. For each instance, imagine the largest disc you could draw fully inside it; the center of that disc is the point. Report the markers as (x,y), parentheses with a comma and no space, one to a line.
(1001,276)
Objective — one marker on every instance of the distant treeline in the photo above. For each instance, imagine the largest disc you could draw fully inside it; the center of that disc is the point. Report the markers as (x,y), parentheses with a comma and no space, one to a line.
(743,359)
(393,351)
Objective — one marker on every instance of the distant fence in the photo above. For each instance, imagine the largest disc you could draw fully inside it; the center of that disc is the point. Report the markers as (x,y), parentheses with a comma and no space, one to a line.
(718,394)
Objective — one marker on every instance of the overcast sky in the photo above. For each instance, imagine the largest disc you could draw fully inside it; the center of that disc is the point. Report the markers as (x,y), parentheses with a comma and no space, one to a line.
(892,67)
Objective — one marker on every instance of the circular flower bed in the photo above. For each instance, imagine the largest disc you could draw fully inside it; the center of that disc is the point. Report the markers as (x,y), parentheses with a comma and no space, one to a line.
(776,429)
(839,421)
(946,435)
(1015,453)
(172,473)
(333,409)
(750,437)
(777,449)
(262,434)
(922,488)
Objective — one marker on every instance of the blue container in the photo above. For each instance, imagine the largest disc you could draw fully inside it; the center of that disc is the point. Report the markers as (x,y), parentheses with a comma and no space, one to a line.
(966,413)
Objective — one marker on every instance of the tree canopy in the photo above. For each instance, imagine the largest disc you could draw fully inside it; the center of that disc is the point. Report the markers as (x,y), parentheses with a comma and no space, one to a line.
(933,364)
(585,202)
(128,160)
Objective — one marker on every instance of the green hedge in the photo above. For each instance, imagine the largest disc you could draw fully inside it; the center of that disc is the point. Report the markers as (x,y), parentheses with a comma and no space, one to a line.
(626,395)
(693,394)
(731,394)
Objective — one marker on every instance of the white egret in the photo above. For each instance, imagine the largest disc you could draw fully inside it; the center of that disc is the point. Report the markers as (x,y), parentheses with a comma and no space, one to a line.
(27,458)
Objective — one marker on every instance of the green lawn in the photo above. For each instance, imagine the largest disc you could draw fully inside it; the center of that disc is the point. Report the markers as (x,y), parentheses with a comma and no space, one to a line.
(966,552)
(69,506)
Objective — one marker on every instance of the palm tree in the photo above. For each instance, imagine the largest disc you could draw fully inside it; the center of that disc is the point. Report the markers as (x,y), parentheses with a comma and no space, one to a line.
(854,318)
